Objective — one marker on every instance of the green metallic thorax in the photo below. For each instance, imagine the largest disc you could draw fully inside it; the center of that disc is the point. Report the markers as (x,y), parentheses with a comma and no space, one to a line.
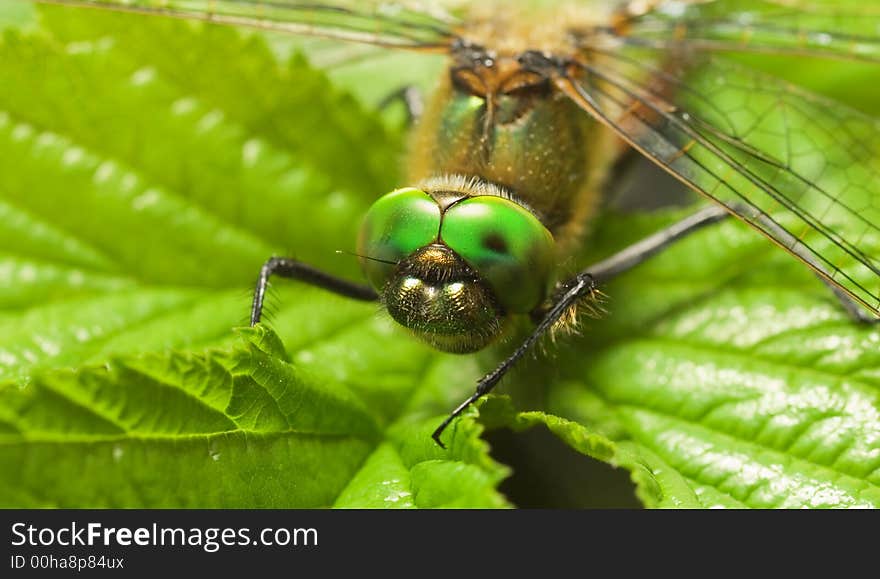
(530,141)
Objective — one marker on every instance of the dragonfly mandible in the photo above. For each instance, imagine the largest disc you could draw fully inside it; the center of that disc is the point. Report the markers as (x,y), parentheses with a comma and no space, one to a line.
(512,152)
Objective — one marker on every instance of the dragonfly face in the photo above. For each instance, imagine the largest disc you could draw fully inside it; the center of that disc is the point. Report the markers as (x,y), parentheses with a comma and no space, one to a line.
(453,261)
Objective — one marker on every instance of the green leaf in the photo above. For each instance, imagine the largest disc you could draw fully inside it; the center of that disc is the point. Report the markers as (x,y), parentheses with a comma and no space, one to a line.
(147,170)
(265,99)
(236,428)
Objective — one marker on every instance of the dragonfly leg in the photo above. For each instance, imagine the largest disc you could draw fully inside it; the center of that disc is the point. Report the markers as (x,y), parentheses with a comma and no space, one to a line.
(569,292)
(852,307)
(413,101)
(796,246)
(292,269)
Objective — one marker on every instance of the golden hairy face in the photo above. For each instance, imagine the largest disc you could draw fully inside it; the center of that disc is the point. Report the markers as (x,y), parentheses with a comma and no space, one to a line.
(443,301)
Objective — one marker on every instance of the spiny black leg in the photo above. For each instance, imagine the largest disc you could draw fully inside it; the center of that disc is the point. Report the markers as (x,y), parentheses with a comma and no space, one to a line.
(299,271)
(412,100)
(852,307)
(568,293)
(653,244)
(797,247)
(575,288)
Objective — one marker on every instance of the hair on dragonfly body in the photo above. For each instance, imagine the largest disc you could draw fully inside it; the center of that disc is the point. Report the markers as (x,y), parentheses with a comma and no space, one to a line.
(511,155)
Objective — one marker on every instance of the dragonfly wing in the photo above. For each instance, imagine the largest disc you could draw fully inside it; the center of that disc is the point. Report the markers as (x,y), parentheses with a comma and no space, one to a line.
(377,23)
(838,30)
(800,169)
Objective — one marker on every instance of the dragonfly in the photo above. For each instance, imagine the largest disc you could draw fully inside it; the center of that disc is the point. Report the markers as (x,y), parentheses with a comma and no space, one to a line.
(512,152)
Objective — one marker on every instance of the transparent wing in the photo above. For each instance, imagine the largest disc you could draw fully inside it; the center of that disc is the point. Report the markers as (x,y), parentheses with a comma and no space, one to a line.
(829,29)
(802,170)
(371,22)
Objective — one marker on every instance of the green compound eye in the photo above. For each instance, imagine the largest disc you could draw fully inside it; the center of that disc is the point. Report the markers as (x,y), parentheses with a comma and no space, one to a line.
(506,245)
(395,226)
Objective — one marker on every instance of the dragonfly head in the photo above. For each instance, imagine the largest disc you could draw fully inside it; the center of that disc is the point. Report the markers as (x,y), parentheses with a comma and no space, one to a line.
(453,267)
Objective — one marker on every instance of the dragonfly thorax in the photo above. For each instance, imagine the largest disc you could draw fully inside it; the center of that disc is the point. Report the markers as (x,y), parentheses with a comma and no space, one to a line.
(501,121)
